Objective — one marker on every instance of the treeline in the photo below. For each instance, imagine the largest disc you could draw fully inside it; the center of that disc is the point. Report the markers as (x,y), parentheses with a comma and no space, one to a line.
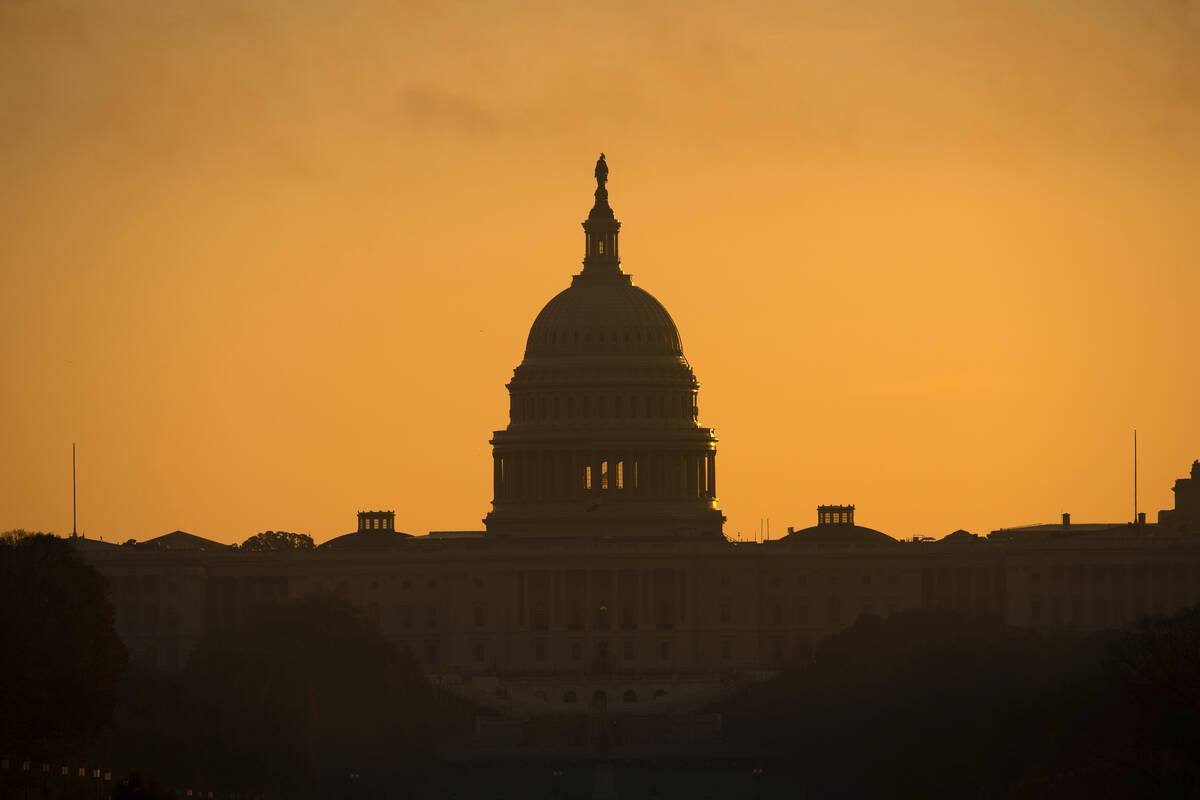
(926,704)
(306,699)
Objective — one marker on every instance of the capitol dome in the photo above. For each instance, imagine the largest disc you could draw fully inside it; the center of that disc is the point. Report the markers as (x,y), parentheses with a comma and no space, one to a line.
(603,435)
(603,315)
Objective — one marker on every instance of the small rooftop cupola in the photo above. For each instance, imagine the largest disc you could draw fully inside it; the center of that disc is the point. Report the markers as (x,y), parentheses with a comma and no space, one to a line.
(600,231)
(835,515)
(377,520)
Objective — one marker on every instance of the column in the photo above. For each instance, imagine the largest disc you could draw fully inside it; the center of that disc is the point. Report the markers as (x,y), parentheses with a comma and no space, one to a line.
(679,612)
(587,594)
(712,473)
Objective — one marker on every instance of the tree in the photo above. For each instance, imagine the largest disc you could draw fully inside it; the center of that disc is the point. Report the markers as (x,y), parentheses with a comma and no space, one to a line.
(305,693)
(270,541)
(62,657)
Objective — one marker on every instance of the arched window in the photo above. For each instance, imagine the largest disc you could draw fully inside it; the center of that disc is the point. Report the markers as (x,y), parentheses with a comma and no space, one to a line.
(630,696)
(660,693)
(600,246)
(570,697)
(540,694)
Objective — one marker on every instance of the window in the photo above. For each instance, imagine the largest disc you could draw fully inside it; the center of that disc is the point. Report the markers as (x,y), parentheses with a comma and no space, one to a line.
(478,614)
(539,651)
(576,651)
(726,649)
(630,696)
(620,474)
(570,697)
(627,647)
(866,580)
(587,477)
(802,613)
(664,649)
(891,580)
(725,613)
(600,246)
(479,652)
(603,475)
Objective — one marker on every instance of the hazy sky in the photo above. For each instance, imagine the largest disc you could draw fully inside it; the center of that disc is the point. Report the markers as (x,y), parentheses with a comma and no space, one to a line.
(270,263)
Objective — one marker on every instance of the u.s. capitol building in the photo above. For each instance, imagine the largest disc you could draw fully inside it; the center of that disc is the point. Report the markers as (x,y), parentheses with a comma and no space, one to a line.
(603,584)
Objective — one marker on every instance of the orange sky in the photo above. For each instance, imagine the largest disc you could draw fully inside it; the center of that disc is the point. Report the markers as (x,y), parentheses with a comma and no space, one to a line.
(271,263)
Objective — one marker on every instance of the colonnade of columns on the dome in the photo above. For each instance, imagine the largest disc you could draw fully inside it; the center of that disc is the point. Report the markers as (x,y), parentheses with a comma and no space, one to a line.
(556,474)
(542,406)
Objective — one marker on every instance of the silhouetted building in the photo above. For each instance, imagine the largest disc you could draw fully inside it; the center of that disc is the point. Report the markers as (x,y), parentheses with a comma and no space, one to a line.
(1186,513)
(602,585)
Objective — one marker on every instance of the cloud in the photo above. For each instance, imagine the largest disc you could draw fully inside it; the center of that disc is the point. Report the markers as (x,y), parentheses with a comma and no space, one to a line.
(426,107)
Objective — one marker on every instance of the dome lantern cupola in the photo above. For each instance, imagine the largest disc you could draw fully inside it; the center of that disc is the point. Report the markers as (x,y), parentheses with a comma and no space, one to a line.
(601,230)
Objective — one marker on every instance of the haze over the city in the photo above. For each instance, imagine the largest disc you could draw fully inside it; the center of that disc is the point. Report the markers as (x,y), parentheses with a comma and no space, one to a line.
(270,264)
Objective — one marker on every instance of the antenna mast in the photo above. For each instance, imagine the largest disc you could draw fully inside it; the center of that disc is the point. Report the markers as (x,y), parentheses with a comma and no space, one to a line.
(1135,498)
(74,518)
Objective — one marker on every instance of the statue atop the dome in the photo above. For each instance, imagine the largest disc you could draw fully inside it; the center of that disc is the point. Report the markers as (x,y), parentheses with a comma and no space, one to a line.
(601,172)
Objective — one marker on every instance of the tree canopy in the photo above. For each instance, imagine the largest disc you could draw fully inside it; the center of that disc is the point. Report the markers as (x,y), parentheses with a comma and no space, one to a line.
(301,695)
(278,540)
(62,658)
(927,704)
